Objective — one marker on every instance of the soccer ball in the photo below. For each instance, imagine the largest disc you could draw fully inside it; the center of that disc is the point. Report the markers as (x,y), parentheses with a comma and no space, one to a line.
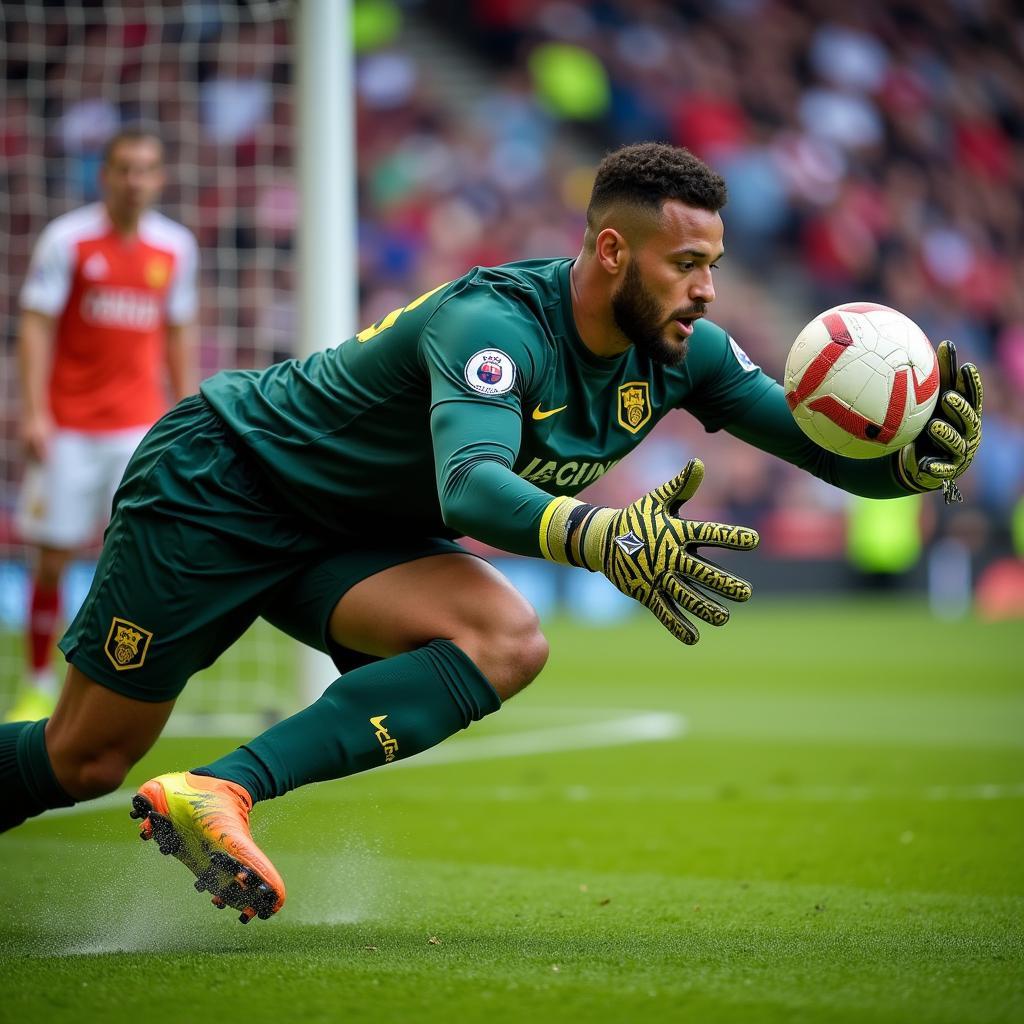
(862,380)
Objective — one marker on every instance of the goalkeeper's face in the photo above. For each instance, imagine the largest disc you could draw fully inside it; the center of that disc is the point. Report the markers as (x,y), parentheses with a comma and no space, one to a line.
(667,285)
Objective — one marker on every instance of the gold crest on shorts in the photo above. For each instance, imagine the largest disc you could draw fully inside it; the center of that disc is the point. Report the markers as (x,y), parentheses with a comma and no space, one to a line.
(634,405)
(127,644)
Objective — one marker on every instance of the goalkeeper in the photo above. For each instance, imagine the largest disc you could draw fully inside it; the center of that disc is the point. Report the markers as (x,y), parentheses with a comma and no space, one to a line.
(326,496)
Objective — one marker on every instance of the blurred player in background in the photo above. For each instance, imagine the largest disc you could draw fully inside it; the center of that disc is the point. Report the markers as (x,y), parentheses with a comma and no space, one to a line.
(325,496)
(108,309)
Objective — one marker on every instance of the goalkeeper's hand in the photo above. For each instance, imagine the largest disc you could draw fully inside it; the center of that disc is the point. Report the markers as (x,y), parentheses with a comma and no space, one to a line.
(944,449)
(648,553)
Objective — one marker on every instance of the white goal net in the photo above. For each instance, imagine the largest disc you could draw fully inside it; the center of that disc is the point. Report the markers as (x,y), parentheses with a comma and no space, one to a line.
(214,79)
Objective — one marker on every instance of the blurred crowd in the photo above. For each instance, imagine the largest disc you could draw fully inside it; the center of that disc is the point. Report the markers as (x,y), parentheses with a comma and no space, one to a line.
(872,151)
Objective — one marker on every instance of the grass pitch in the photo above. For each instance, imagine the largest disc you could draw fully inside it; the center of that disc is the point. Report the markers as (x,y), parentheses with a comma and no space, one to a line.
(795,821)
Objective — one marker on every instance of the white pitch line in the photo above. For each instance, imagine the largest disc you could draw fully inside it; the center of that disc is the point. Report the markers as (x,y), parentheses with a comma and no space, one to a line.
(647,727)
(119,798)
(685,793)
(637,727)
(190,724)
(651,726)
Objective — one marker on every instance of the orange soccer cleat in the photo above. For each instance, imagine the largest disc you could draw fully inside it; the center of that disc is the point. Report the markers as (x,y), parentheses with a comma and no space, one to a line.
(204,822)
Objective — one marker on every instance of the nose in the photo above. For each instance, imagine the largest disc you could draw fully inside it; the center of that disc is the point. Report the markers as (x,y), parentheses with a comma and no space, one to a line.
(702,288)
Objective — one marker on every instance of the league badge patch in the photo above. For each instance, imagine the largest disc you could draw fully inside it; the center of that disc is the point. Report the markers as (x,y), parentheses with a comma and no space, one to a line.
(634,405)
(127,644)
(490,372)
(742,358)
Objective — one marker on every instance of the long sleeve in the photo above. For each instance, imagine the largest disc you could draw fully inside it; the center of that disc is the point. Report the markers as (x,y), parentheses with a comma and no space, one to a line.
(768,424)
(480,495)
(482,358)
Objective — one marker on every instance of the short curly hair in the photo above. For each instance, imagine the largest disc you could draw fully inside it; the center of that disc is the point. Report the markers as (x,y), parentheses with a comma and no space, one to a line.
(649,173)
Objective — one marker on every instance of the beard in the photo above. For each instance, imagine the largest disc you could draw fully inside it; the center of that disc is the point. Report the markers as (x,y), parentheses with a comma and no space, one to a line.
(638,316)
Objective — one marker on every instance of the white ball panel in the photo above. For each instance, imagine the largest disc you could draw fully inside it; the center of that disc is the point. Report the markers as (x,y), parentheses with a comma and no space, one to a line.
(885,343)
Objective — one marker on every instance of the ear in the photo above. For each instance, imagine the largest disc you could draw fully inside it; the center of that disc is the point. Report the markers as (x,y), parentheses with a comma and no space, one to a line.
(611,251)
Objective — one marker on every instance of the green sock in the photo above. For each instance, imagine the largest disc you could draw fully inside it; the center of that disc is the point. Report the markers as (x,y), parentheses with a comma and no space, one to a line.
(376,714)
(27,783)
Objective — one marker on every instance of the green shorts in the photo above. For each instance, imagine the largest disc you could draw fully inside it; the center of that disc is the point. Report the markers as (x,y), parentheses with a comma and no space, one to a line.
(196,550)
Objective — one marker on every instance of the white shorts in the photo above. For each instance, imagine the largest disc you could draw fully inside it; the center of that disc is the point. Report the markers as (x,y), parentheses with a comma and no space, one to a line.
(66,499)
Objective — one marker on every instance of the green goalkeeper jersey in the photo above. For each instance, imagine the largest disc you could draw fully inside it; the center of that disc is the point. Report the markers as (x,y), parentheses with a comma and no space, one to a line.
(465,411)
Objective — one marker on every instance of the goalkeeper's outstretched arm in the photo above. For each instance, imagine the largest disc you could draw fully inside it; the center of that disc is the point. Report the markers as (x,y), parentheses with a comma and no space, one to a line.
(942,453)
(645,550)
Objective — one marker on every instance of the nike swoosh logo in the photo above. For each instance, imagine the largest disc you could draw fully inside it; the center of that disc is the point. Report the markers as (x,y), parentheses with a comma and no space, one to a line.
(538,415)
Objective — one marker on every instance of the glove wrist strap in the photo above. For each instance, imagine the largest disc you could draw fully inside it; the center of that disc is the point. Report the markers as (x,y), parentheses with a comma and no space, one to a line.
(909,475)
(568,534)
(907,472)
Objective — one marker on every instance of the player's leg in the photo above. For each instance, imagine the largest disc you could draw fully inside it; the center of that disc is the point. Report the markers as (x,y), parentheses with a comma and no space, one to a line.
(169,595)
(96,734)
(166,600)
(455,639)
(439,640)
(37,694)
(456,597)
(82,751)
(83,474)
(57,513)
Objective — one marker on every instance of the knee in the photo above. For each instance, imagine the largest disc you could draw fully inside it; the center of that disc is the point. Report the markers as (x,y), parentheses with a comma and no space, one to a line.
(510,651)
(531,652)
(93,775)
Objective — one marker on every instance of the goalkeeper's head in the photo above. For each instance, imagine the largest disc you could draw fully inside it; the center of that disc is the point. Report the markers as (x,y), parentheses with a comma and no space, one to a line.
(654,234)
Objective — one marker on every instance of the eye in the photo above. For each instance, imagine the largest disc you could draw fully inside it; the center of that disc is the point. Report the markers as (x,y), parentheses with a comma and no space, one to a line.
(686,266)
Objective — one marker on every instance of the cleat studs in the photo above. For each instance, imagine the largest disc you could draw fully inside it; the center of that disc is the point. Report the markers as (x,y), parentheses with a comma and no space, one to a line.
(265,915)
(164,833)
(205,880)
(140,807)
(246,915)
(218,902)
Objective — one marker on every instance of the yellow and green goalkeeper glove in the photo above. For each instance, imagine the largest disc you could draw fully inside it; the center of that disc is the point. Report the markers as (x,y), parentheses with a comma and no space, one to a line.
(648,553)
(945,448)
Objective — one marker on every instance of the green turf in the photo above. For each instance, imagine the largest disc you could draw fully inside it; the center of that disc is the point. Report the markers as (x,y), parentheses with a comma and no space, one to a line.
(837,836)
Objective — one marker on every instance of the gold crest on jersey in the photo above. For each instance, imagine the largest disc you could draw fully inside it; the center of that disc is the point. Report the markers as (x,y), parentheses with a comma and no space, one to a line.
(127,644)
(634,405)
(157,272)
